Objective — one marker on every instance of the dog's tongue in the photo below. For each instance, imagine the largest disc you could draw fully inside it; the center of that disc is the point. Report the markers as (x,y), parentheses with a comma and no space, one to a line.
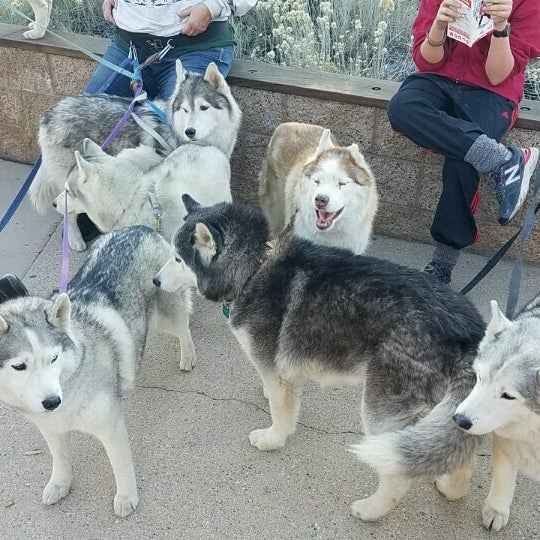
(325,219)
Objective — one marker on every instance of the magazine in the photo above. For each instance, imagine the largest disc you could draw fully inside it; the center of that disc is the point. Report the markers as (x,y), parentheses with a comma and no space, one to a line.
(473,24)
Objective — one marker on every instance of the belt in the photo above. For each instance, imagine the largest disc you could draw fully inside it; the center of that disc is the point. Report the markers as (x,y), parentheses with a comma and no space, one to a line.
(156,43)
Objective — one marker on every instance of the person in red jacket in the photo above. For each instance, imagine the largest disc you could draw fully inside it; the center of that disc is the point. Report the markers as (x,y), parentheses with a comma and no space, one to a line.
(460,104)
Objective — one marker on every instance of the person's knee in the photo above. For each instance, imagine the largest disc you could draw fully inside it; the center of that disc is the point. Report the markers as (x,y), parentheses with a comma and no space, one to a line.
(399,112)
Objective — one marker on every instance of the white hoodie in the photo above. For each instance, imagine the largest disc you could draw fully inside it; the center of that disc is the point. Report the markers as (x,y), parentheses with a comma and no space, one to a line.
(160,17)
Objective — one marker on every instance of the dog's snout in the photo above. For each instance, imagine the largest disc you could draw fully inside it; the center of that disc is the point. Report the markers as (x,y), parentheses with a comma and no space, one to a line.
(462,421)
(54,204)
(156,281)
(190,132)
(51,403)
(321,201)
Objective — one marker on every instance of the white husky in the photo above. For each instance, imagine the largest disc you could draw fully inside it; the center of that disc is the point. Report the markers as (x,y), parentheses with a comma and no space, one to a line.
(328,190)
(201,112)
(115,193)
(67,362)
(506,402)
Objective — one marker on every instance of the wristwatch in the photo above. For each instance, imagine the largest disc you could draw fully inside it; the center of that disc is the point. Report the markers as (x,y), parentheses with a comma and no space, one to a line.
(502,33)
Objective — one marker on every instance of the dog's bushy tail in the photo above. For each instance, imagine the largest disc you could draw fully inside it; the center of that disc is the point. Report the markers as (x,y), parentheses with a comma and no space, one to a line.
(43,190)
(432,447)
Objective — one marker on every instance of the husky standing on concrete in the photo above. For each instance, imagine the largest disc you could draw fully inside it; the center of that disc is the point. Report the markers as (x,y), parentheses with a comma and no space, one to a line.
(154,198)
(506,402)
(66,362)
(305,311)
(328,190)
(201,111)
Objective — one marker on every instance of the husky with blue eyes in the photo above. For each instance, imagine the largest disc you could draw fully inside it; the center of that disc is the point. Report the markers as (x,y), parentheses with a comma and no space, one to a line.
(506,402)
(66,362)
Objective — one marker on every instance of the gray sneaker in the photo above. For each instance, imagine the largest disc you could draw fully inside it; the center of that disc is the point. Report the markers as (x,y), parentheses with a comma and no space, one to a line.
(11,287)
(512,181)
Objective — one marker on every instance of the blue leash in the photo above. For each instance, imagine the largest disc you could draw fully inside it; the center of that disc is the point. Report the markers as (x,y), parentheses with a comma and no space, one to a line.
(20,196)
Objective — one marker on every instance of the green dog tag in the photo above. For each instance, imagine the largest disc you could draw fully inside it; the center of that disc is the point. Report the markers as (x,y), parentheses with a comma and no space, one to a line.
(226,310)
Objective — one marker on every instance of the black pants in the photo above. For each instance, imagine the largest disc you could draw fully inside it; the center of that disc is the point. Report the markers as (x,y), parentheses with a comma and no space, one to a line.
(447,117)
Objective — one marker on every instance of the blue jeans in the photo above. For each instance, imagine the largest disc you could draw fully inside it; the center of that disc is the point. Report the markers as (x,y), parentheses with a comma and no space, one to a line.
(159,78)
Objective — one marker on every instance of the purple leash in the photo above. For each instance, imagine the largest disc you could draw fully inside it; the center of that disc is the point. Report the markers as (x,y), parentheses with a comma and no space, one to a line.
(65,240)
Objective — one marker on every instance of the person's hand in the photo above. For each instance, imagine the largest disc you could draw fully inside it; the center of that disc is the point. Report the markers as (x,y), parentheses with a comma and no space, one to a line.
(199,17)
(107,8)
(448,13)
(500,12)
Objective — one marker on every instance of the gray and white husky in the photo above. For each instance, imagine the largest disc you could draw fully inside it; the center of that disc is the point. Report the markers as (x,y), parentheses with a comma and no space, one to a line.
(66,362)
(304,311)
(115,193)
(506,402)
(328,190)
(201,111)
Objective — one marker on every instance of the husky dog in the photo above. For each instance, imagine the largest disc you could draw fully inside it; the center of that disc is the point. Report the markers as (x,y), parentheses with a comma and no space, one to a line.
(153,199)
(505,401)
(304,311)
(328,190)
(66,362)
(201,110)
(42,15)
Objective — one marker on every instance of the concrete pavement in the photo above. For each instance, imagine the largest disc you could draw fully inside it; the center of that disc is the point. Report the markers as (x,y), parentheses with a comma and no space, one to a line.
(198,475)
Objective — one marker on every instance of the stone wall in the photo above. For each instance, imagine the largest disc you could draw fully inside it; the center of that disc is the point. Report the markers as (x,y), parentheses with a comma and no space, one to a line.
(36,74)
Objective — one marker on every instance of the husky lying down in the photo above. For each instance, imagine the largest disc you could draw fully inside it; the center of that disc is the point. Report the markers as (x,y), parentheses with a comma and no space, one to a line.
(66,362)
(201,111)
(328,190)
(99,187)
(505,401)
(304,311)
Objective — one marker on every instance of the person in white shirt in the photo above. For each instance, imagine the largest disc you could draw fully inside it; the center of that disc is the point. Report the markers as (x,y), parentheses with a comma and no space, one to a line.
(199,32)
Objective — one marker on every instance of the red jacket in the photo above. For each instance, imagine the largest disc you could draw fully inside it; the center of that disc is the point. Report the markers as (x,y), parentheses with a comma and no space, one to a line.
(466,64)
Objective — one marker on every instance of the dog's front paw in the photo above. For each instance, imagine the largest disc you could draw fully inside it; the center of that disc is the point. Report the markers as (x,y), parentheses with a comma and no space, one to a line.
(494,520)
(76,243)
(367,510)
(35,31)
(449,488)
(124,505)
(187,361)
(266,439)
(54,492)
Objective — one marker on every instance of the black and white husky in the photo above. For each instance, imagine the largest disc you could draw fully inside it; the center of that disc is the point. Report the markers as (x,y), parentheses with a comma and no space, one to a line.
(201,111)
(66,362)
(303,311)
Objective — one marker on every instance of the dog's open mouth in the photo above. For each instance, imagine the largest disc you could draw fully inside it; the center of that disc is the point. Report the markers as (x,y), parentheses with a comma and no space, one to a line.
(326,219)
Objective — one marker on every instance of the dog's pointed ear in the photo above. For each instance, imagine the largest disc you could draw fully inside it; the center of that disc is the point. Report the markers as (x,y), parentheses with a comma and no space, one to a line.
(204,242)
(82,165)
(60,313)
(496,325)
(357,155)
(4,326)
(214,78)
(325,142)
(190,203)
(180,73)
(91,149)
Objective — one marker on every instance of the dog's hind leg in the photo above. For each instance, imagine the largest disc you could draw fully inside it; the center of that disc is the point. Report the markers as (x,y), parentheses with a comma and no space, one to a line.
(115,439)
(392,488)
(496,511)
(60,482)
(284,398)
(456,484)
(42,15)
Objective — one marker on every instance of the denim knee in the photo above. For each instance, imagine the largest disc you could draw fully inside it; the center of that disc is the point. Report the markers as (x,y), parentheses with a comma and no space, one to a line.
(399,113)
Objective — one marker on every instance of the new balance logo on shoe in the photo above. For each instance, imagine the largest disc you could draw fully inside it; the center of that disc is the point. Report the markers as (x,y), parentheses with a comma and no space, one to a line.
(512,174)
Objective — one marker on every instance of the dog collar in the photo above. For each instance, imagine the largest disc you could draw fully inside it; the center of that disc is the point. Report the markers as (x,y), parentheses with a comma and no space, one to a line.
(156,207)
(226,305)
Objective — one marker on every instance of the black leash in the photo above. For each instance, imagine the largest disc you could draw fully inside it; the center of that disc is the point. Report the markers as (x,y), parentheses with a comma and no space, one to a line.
(515,279)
